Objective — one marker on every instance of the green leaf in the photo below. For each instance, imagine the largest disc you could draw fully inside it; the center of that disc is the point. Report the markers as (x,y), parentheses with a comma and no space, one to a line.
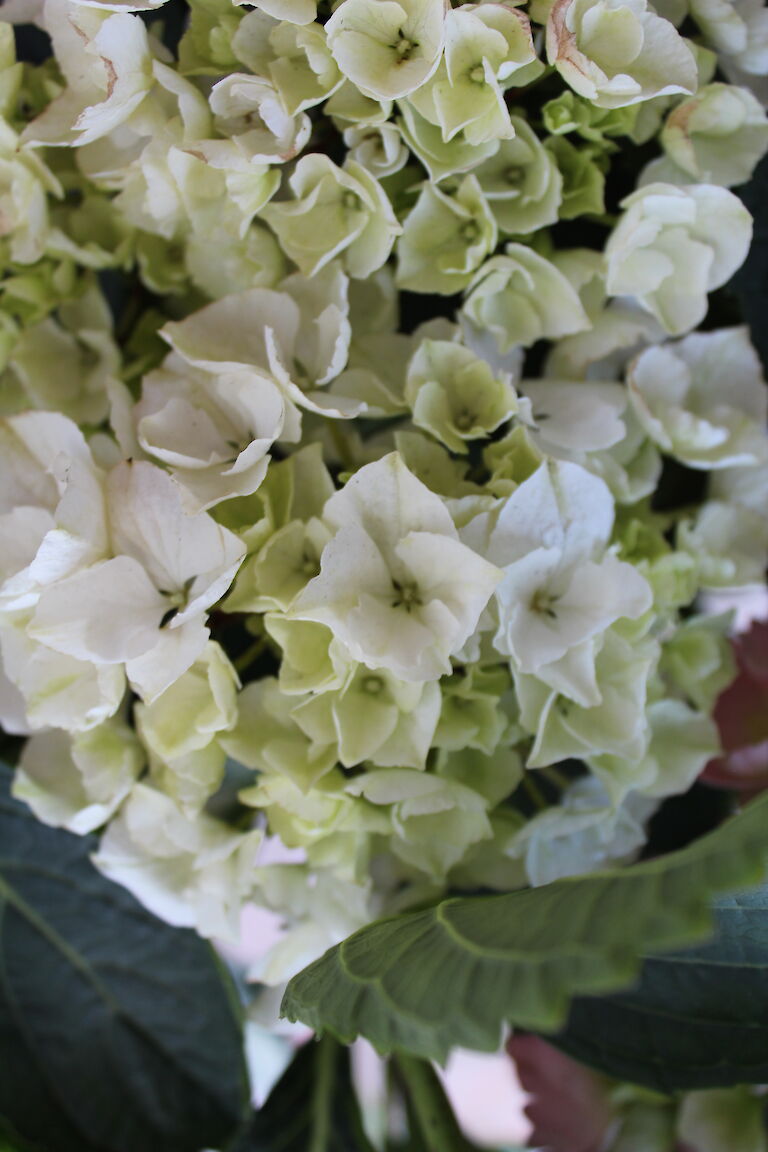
(427,981)
(312,1108)
(117,1032)
(697,1019)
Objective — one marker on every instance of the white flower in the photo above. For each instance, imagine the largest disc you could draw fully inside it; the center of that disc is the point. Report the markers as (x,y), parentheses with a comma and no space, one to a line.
(561,587)
(251,110)
(387,48)
(718,136)
(212,430)
(617,52)
(616,725)
(488,47)
(374,716)
(296,336)
(191,872)
(107,65)
(144,605)
(79,782)
(703,399)
(335,212)
(521,297)
(674,245)
(396,586)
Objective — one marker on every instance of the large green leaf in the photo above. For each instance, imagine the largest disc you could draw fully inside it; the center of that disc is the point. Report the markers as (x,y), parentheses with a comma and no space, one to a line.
(697,1019)
(118,1033)
(427,981)
(312,1108)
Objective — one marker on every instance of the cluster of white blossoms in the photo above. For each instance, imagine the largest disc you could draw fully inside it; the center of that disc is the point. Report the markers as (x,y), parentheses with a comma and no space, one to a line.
(282,560)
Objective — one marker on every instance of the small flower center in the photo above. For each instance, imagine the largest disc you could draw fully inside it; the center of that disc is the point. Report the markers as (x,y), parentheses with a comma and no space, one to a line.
(514,174)
(404,47)
(464,420)
(406,595)
(470,231)
(350,201)
(542,604)
(476,75)
(372,685)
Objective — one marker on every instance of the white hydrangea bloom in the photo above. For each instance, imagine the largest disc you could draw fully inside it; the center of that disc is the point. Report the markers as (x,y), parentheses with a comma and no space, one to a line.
(455,395)
(445,239)
(295,58)
(250,110)
(191,872)
(562,588)
(212,430)
(296,337)
(718,136)
(78,782)
(373,716)
(144,603)
(521,297)
(180,726)
(335,212)
(583,833)
(729,543)
(616,725)
(488,48)
(25,183)
(379,148)
(396,586)
(435,821)
(703,399)
(738,30)
(387,48)
(618,52)
(522,182)
(674,245)
(107,65)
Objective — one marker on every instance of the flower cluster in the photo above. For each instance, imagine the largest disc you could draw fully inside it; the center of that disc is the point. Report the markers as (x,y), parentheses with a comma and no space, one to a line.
(335,457)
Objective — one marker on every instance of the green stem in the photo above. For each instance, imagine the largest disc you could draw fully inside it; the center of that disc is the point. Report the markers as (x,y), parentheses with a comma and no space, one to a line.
(322,1094)
(535,793)
(245,659)
(437,1124)
(555,776)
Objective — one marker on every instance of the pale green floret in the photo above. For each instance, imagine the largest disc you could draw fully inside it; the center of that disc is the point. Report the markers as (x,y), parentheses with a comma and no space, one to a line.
(334,212)
(396,586)
(373,717)
(582,178)
(78,782)
(488,48)
(440,158)
(295,58)
(387,48)
(192,871)
(703,399)
(618,52)
(617,725)
(180,727)
(674,245)
(571,113)
(521,298)
(718,136)
(521,182)
(728,542)
(445,239)
(379,148)
(697,661)
(455,395)
(723,1120)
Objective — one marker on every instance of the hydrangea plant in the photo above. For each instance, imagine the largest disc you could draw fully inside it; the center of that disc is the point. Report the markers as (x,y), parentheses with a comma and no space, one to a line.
(365,475)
